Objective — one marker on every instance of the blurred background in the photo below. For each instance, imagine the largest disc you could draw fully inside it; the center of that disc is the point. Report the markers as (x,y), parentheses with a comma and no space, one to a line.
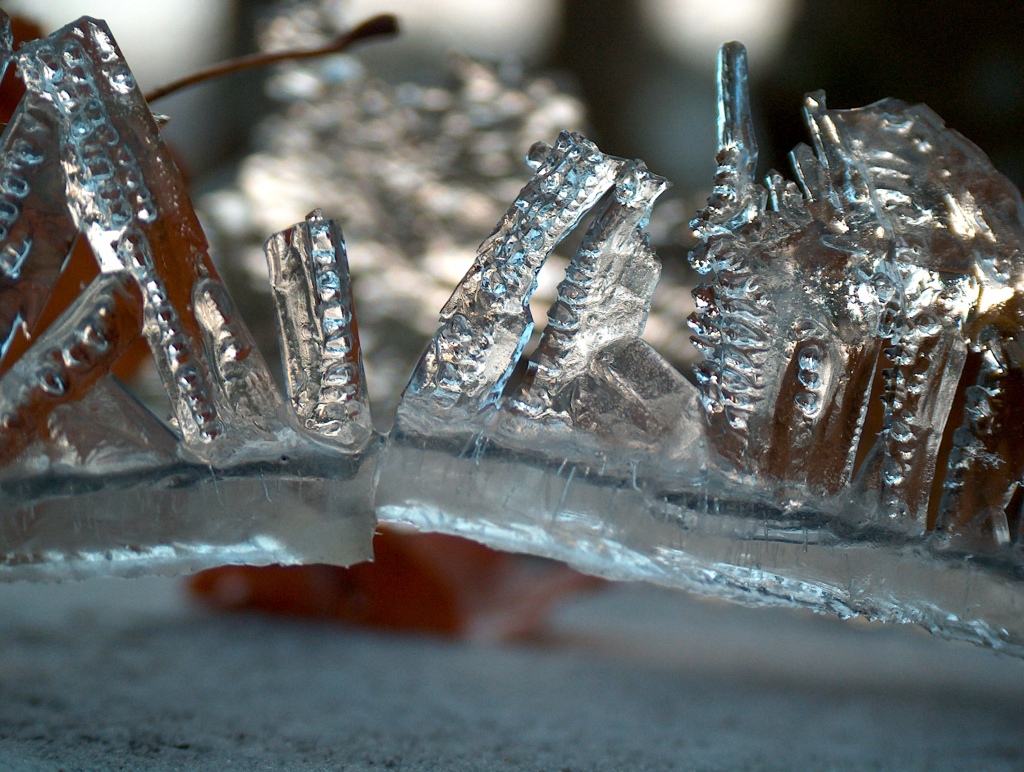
(644,68)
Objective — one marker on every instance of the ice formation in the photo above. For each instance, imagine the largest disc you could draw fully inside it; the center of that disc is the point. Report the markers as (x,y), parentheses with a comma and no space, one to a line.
(901,236)
(420,174)
(851,443)
(847,445)
(92,482)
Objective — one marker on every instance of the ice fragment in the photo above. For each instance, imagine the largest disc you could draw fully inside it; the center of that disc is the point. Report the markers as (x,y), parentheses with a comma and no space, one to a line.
(90,481)
(851,442)
(844,319)
(310,277)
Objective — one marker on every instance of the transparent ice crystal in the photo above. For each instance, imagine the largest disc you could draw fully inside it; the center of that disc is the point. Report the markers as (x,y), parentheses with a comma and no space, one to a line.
(850,442)
(419,173)
(91,481)
(894,266)
(847,446)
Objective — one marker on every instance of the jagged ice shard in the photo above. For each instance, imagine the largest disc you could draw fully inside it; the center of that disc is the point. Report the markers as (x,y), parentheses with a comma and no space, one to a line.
(91,481)
(849,443)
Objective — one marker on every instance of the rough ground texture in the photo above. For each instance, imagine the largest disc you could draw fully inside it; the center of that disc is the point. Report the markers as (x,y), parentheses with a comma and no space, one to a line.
(123,675)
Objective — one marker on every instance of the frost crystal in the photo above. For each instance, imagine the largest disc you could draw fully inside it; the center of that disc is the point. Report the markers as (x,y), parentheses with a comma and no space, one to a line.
(419,174)
(851,442)
(91,481)
(850,320)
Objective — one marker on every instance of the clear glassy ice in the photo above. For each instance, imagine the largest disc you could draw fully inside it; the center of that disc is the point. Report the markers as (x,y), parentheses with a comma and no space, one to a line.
(847,444)
(92,482)
(851,442)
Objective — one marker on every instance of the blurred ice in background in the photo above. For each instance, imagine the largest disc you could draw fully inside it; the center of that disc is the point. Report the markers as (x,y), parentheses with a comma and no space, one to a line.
(656,57)
(642,66)
(162,41)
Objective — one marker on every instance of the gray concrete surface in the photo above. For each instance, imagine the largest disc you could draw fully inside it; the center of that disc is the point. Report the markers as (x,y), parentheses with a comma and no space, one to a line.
(115,674)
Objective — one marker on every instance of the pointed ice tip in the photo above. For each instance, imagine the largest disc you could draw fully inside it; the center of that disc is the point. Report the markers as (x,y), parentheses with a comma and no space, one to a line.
(537,154)
(823,130)
(814,102)
(637,185)
(735,122)
(733,51)
(6,42)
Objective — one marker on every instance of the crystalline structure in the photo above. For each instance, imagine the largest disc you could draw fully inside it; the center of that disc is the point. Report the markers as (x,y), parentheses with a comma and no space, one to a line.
(847,446)
(548,463)
(90,481)
(313,293)
(786,270)
(904,237)
(850,443)
(417,172)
